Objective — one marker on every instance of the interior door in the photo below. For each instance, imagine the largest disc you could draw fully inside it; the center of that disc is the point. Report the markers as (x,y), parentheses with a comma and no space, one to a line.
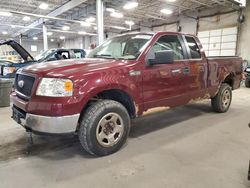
(163,84)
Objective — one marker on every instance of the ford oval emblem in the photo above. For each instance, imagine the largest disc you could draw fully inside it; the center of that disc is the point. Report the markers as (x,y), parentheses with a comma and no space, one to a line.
(20,83)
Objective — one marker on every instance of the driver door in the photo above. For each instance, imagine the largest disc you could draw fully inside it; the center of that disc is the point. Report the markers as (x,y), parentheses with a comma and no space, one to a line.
(163,84)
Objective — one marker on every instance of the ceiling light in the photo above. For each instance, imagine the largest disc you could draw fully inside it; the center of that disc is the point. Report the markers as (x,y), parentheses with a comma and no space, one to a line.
(82,33)
(62,37)
(26,18)
(118,27)
(116,14)
(166,11)
(49,33)
(85,24)
(110,9)
(35,38)
(43,6)
(90,19)
(129,22)
(52,40)
(171,0)
(95,28)
(65,28)
(5,13)
(130,5)
(4,32)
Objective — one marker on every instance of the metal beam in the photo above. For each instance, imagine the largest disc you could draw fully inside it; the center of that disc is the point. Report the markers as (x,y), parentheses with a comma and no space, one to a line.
(100,25)
(45,38)
(64,8)
(201,3)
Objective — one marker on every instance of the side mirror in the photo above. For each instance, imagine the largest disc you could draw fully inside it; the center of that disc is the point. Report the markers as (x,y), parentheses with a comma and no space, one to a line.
(162,57)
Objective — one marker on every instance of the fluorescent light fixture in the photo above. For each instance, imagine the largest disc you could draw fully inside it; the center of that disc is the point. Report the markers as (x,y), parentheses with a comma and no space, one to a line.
(65,28)
(171,0)
(43,6)
(130,5)
(119,27)
(26,18)
(116,14)
(85,24)
(52,40)
(129,22)
(49,33)
(4,32)
(82,33)
(5,14)
(90,19)
(62,37)
(110,9)
(35,38)
(166,11)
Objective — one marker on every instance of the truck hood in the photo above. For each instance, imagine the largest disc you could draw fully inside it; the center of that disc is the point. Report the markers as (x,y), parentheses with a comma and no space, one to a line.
(65,68)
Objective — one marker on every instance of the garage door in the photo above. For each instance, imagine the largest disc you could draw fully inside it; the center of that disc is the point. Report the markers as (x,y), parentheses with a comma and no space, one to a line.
(169,27)
(220,42)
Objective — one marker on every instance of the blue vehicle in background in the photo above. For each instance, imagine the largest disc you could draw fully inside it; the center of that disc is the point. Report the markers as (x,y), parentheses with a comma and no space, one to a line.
(8,68)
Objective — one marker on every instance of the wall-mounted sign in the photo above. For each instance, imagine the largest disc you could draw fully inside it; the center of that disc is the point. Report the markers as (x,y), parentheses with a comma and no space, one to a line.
(33,48)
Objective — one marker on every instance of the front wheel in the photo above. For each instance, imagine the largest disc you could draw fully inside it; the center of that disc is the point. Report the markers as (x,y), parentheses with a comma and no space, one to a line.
(222,101)
(104,127)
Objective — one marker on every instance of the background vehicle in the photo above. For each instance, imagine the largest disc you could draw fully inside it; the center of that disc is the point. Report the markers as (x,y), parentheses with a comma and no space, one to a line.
(127,76)
(7,69)
(26,59)
(59,54)
(247,79)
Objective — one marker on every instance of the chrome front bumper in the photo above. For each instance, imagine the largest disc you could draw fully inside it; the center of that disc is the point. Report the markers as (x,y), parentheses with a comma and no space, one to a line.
(51,125)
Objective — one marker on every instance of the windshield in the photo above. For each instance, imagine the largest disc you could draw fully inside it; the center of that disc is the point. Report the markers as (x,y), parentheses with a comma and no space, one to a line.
(44,55)
(122,47)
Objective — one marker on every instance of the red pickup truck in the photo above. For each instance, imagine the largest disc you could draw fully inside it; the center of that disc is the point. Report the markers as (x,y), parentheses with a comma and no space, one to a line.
(127,76)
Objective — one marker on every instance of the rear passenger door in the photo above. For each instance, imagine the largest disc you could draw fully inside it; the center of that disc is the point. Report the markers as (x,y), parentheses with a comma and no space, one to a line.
(195,68)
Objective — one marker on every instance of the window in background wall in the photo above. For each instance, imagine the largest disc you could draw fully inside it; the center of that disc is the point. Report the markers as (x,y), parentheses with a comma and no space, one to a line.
(220,42)
(33,48)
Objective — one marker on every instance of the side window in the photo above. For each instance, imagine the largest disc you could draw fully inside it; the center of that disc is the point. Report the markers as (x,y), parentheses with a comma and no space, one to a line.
(168,42)
(194,49)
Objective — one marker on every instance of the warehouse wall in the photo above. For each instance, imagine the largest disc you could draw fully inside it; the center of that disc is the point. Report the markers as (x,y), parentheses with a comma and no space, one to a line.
(73,43)
(82,42)
(243,46)
(188,25)
(39,43)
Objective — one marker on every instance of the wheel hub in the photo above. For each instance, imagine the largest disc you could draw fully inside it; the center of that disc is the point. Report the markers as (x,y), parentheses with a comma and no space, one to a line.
(109,129)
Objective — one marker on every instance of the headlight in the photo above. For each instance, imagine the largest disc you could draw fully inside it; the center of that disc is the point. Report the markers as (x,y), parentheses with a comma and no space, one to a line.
(55,87)
(8,70)
(248,69)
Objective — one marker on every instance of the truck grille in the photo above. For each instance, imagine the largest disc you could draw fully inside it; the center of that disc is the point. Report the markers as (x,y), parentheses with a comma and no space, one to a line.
(24,84)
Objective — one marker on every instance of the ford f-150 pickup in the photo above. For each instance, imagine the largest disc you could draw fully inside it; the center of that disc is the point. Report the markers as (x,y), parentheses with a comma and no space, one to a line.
(127,76)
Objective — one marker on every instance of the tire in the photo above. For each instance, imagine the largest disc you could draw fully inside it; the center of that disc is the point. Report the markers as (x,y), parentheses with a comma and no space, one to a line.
(104,128)
(222,101)
(247,83)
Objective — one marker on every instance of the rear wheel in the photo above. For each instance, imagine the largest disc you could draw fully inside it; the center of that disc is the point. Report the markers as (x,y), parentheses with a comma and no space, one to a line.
(104,128)
(222,101)
(247,83)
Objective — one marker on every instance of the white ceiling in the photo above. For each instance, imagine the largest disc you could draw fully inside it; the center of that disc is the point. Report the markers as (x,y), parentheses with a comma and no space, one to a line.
(145,14)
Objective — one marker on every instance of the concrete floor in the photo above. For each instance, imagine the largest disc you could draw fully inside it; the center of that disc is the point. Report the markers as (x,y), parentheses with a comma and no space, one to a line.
(189,147)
